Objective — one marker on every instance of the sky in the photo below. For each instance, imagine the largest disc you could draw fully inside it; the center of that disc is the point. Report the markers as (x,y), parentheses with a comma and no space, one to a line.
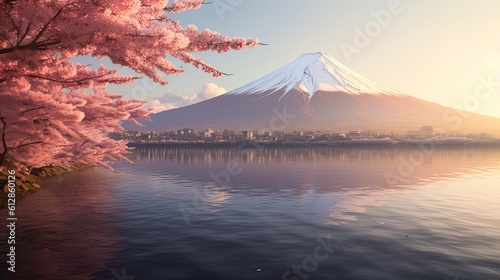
(444,51)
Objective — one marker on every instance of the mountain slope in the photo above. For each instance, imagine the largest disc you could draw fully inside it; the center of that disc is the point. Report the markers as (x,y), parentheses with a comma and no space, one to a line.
(317,92)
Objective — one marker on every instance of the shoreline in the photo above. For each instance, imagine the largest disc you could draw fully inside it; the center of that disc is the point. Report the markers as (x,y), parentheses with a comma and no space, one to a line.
(27,184)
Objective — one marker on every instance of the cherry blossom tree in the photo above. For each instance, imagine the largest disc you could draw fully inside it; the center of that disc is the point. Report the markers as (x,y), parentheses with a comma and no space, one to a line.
(54,111)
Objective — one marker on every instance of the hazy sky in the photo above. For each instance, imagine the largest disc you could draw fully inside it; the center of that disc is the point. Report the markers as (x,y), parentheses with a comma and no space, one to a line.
(442,51)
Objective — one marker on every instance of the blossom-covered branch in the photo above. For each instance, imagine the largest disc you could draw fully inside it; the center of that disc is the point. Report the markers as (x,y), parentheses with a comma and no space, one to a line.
(56,111)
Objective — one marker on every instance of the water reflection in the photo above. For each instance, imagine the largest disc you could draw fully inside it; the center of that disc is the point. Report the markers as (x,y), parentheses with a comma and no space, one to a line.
(67,231)
(308,162)
(347,179)
(83,224)
(300,166)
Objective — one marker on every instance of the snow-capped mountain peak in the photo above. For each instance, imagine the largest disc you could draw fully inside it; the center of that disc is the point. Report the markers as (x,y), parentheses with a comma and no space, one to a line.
(316,92)
(314,72)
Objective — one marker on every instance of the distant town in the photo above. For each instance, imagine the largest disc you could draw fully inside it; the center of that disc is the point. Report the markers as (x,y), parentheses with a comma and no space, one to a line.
(208,137)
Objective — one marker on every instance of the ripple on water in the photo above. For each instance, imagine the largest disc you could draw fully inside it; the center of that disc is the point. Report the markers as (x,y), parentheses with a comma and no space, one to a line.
(439,222)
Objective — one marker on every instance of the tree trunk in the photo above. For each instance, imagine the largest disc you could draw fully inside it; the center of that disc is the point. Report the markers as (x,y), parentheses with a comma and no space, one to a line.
(3,141)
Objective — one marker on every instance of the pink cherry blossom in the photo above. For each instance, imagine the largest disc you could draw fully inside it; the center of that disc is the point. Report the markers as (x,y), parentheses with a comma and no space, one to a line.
(54,111)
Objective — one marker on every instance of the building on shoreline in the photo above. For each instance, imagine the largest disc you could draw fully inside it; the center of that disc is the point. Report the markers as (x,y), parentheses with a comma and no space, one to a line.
(229,137)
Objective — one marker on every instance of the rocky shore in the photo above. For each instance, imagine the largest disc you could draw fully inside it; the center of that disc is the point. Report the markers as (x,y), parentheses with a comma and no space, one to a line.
(29,183)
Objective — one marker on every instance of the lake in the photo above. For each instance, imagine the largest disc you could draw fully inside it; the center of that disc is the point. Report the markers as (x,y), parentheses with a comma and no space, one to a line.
(271,213)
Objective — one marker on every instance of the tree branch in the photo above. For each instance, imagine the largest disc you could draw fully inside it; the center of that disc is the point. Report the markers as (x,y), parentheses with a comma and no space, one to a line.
(44,28)
(30,143)
(30,46)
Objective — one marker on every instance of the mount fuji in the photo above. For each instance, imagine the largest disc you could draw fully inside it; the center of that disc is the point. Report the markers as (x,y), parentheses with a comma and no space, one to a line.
(316,92)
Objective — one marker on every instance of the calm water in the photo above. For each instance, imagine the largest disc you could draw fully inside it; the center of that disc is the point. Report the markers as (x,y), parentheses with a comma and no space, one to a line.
(295,213)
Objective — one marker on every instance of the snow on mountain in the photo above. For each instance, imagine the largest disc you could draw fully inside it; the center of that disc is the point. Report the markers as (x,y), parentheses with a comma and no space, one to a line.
(314,72)
(317,92)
